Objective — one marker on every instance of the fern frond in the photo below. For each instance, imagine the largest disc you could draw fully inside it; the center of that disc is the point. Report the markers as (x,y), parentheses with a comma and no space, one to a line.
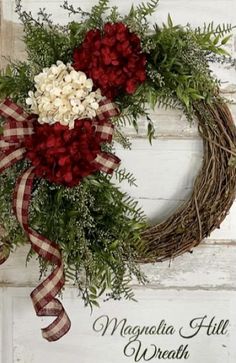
(168,100)
(122,174)
(224,29)
(114,15)
(124,119)
(147,8)
(132,208)
(221,29)
(137,18)
(97,12)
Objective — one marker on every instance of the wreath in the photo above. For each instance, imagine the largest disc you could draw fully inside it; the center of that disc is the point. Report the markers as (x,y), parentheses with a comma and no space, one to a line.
(62,112)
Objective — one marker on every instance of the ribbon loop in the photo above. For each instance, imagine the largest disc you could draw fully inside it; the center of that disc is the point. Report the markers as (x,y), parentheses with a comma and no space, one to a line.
(15,131)
(12,111)
(104,130)
(107,162)
(107,109)
(18,125)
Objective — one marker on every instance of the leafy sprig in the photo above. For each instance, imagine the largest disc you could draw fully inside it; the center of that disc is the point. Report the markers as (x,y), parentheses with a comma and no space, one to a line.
(180,61)
(220,30)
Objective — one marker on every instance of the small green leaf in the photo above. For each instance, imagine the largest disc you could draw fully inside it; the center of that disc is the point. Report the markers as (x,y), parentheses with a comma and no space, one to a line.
(216,40)
(101,292)
(222,51)
(185,99)
(226,39)
(95,303)
(93,290)
(92,297)
(169,21)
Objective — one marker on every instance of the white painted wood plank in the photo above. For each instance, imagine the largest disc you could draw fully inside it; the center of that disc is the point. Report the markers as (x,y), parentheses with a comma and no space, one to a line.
(164,170)
(15,272)
(6,332)
(84,344)
(208,267)
(211,266)
(171,123)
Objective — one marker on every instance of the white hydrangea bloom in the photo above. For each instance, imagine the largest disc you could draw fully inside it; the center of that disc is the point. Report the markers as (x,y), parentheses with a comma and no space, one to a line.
(63,95)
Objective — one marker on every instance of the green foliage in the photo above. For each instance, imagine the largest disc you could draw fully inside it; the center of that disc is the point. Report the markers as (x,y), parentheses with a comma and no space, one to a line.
(114,15)
(178,70)
(98,228)
(96,224)
(14,235)
(213,39)
(45,43)
(137,17)
(16,81)
(122,175)
(179,62)
(121,138)
(133,107)
(96,14)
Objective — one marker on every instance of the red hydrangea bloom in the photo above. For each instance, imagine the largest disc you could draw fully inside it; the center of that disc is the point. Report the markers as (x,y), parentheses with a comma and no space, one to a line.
(113,59)
(63,156)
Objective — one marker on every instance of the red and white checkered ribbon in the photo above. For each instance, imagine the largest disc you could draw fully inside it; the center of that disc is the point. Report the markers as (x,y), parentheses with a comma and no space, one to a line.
(105,161)
(43,296)
(18,125)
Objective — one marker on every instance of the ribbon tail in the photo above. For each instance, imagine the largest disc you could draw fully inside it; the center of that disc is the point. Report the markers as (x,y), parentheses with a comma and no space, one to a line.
(8,160)
(43,296)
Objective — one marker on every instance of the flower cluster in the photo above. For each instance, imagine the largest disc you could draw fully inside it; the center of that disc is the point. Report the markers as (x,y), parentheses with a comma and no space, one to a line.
(64,156)
(63,95)
(113,59)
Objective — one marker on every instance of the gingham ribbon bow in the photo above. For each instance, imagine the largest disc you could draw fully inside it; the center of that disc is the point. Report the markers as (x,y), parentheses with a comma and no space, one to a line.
(18,125)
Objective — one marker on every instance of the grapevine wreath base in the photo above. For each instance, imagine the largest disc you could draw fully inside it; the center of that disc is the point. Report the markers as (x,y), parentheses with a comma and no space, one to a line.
(61,112)
(212,196)
(213,192)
